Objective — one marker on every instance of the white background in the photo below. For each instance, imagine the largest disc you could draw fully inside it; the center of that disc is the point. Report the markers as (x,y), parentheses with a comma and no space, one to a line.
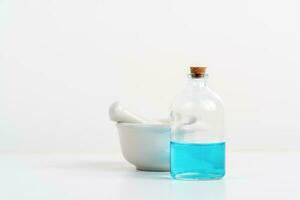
(62,63)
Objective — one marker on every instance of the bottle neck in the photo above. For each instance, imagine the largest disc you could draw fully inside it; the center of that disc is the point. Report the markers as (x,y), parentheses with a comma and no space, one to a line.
(197,81)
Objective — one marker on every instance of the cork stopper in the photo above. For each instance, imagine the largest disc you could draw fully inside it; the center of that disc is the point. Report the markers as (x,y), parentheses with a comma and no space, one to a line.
(198,71)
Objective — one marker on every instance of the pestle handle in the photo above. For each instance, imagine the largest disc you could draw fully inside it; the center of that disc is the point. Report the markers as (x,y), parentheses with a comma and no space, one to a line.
(118,113)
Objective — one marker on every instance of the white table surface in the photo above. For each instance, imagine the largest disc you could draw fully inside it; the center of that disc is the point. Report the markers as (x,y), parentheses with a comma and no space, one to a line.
(252,176)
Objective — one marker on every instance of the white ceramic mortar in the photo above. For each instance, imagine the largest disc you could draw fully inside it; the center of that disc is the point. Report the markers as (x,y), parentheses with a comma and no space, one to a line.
(147,146)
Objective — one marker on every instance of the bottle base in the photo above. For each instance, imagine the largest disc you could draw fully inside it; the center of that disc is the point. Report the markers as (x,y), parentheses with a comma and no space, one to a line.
(196,176)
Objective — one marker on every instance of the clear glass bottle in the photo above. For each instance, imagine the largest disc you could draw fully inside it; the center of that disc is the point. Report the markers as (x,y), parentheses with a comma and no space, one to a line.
(197,131)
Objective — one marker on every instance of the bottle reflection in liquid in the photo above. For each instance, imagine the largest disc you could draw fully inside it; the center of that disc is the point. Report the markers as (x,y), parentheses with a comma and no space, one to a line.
(197,135)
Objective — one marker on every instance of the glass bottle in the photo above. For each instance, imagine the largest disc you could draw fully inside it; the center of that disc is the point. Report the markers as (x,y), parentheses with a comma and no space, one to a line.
(197,131)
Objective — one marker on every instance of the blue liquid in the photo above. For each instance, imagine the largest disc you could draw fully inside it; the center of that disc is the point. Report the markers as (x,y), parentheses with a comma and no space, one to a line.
(197,161)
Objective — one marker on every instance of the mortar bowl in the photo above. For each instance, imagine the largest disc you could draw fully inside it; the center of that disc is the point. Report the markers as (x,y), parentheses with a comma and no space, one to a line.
(146,146)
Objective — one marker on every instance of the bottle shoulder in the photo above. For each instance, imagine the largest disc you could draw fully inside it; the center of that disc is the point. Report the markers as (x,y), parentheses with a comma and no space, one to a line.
(204,97)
